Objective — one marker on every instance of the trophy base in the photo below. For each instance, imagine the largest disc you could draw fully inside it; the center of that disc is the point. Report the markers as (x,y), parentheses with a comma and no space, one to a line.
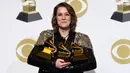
(28,17)
(122,17)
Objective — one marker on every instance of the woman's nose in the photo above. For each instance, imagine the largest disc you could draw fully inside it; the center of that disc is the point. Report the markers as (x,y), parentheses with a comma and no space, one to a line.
(63,17)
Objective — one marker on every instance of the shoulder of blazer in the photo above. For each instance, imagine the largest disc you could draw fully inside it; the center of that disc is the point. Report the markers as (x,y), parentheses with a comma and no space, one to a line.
(44,35)
(82,40)
(47,33)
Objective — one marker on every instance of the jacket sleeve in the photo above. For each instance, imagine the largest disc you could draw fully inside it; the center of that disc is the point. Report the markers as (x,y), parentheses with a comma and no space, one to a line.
(35,60)
(88,64)
(84,65)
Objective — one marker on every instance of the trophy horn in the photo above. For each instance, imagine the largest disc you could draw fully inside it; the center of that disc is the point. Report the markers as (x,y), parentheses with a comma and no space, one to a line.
(50,43)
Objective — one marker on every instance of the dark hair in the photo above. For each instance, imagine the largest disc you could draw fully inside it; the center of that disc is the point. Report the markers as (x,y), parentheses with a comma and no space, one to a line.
(71,11)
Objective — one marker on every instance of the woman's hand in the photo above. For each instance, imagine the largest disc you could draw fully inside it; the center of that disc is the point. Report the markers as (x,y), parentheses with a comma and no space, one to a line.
(60,63)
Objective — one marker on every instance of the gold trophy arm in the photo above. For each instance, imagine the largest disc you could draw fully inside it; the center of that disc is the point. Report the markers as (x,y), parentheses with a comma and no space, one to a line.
(63,52)
(48,51)
(65,49)
(77,49)
(52,45)
(78,52)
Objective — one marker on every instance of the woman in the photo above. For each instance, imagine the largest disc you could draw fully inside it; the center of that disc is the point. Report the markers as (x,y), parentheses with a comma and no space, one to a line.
(72,51)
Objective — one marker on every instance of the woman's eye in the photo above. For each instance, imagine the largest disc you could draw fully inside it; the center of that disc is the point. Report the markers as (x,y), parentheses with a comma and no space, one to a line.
(59,14)
(67,14)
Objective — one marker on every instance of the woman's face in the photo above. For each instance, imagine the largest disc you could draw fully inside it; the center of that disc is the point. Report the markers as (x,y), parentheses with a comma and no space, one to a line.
(63,18)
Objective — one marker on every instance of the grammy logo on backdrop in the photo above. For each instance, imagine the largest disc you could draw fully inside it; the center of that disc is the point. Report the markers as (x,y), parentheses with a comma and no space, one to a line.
(123,11)
(29,12)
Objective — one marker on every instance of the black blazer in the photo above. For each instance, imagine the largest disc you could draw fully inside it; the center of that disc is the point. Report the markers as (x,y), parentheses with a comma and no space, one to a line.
(48,66)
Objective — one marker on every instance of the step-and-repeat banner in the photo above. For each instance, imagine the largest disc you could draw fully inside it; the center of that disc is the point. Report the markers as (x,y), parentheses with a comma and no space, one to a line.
(106,22)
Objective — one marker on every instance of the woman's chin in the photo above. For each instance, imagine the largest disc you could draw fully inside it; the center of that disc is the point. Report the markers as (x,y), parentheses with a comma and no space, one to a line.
(64,28)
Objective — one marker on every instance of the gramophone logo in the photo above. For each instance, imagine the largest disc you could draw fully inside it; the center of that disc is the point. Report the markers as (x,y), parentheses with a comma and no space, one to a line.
(29,12)
(23,49)
(80,6)
(120,51)
(123,11)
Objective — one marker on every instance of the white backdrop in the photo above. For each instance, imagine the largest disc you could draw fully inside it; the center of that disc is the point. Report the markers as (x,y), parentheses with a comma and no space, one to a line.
(96,23)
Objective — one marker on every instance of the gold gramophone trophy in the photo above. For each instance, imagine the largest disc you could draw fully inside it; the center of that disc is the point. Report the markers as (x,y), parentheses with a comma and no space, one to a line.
(50,52)
(123,11)
(29,12)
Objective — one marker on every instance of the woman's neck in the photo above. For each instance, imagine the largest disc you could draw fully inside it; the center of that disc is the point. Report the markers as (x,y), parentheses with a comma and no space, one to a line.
(64,33)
